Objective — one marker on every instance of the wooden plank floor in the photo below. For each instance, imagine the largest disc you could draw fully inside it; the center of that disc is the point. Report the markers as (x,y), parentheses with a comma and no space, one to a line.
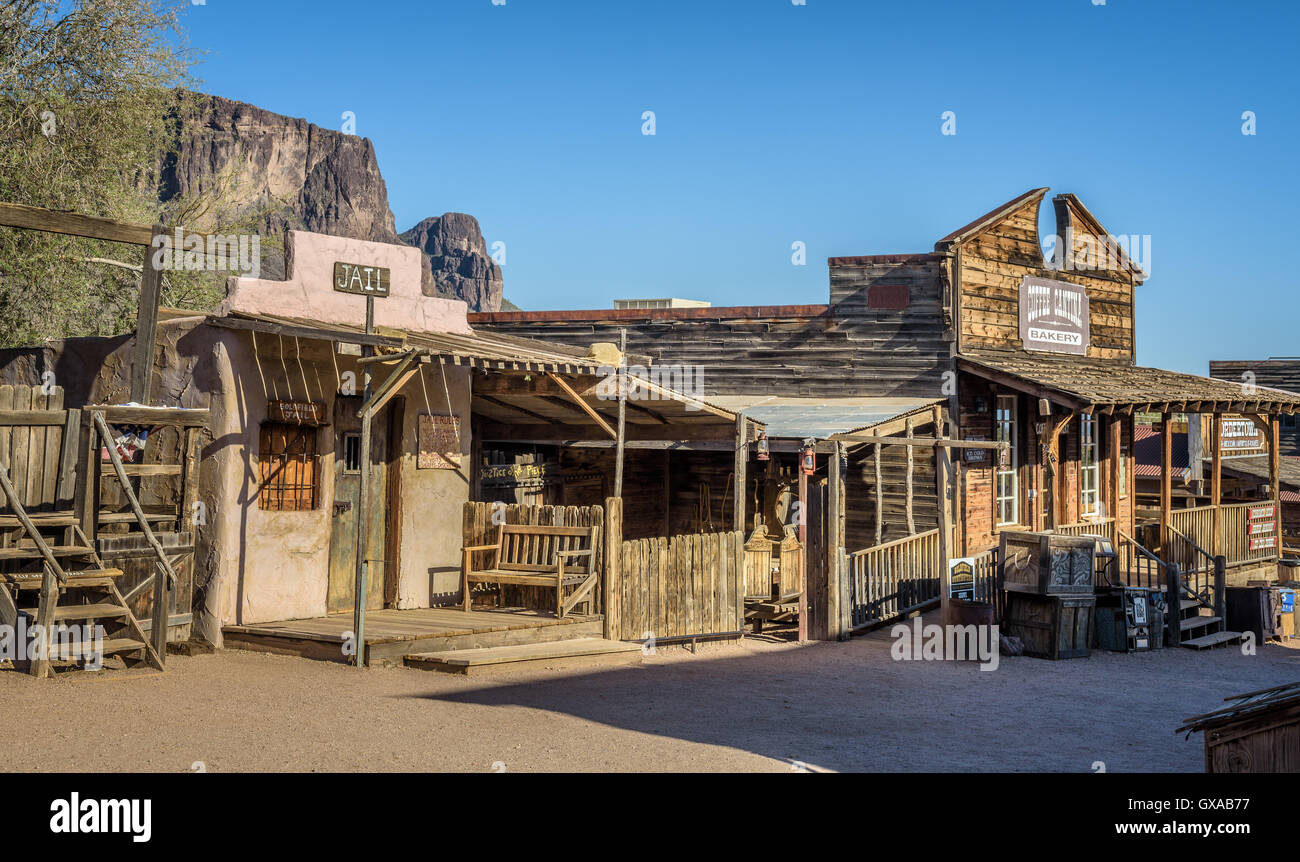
(393,626)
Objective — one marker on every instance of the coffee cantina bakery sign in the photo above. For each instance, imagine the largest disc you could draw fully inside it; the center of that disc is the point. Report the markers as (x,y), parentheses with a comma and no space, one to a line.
(1053,316)
(362,279)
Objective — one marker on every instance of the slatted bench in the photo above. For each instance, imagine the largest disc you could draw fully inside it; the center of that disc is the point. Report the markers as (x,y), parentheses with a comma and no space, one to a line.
(538,556)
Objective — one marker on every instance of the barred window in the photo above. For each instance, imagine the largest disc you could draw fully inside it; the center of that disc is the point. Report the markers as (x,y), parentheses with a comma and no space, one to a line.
(287,467)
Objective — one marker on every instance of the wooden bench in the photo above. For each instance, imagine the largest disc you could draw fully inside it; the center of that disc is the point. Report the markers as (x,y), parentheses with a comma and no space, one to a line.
(538,556)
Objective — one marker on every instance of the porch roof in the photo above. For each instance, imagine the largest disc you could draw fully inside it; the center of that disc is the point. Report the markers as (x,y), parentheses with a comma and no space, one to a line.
(822,418)
(1105,386)
(489,350)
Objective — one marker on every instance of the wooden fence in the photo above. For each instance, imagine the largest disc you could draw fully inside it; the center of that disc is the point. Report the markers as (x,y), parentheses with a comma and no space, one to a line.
(480,528)
(893,579)
(685,586)
(1099,527)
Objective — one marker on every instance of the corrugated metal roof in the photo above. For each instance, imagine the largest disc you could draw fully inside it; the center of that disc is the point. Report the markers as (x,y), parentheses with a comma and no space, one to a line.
(821,418)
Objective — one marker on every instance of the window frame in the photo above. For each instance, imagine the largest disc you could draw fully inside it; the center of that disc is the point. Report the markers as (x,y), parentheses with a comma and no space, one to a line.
(1088,439)
(274,492)
(1010,427)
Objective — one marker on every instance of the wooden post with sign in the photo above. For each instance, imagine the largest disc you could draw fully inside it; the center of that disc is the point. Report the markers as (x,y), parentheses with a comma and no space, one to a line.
(348,278)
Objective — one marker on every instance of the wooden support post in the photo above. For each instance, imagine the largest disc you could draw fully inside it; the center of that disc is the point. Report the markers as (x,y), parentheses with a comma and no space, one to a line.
(880,497)
(1275,478)
(944,456)
(1220,583)
(360,584)
(1216,483)
(911,520)
(837,586)
(1166,480)
(146,324)
(622,413)
(1115,445)
(738,473)
(612,599)
(803,552)
(1173,601)
(1053,472)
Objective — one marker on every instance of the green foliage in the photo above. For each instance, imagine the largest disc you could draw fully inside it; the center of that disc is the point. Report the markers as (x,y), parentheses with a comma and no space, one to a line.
(86,113)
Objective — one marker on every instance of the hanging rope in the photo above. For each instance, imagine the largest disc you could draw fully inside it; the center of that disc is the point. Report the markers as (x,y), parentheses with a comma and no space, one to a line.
(455,426)
(288,381)
(257,357)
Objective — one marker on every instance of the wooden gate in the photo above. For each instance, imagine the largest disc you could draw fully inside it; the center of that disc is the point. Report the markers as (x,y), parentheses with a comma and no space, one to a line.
(681,587)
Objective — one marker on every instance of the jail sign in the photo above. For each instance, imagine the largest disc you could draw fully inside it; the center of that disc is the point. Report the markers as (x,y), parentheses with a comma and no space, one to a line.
(362,279)
(1053,316)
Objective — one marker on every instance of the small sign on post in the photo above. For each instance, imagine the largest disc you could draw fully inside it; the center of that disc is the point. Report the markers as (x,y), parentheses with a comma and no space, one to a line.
(361,279)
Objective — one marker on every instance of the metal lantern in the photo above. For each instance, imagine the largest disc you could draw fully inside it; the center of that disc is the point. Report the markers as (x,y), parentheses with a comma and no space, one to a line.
(763,454)
(808,460)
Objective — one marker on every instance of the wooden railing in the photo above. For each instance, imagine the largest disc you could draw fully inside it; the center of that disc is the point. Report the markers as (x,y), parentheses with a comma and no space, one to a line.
(894,579)
(1195,564)
(1098,527)
(1137,566)
(1235,537)
(988,582)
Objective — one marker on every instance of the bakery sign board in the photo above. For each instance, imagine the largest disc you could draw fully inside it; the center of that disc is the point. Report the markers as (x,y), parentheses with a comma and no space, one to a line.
(1053,316)
(362,279)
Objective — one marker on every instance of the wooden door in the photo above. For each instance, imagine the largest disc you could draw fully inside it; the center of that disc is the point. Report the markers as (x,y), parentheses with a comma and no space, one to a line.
(345,520)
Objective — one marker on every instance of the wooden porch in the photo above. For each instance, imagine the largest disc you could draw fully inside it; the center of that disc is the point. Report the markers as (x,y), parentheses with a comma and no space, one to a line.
(391,635)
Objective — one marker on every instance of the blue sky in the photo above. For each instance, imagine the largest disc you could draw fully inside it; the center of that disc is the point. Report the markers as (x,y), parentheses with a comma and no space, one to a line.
(818,123)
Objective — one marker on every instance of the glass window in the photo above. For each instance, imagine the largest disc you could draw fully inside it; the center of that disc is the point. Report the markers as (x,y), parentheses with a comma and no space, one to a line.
(1089,472)
(1006,488)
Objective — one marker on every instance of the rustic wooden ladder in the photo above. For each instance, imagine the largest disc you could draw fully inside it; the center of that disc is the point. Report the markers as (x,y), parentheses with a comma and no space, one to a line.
(91,593)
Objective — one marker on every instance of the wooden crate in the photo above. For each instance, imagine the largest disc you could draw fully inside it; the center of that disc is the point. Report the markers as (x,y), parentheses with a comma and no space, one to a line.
(1047,563)
(1054,627)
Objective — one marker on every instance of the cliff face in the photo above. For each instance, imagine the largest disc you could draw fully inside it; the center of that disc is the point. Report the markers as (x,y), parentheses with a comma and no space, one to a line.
(459,265)
(240,165)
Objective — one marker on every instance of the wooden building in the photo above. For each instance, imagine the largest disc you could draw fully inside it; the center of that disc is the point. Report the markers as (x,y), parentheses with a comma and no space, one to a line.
(1036,353)
(1258,733)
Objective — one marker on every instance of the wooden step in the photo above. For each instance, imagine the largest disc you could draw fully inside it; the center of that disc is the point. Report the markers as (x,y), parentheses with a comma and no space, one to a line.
(1187,604)
(1212,640)
(78,578)
(33,553)
(110,646)
(1198,622)
(97,611)
(584,652)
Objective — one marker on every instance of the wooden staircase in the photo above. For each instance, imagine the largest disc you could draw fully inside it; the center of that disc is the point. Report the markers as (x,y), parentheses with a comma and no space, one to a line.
(72,589)
(1200,628)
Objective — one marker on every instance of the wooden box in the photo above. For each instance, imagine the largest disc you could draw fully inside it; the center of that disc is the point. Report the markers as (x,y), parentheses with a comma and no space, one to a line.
(1054,627)
(1048,563)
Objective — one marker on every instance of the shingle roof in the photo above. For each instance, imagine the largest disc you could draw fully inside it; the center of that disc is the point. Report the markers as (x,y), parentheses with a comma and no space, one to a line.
(1082,383)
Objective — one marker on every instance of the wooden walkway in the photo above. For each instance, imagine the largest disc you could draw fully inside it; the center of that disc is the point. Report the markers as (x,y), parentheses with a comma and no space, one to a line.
(392,634)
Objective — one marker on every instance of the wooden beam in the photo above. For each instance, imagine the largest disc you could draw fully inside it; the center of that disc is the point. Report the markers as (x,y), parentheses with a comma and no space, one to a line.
(75,224)
(1275,478)
(1115,445)
(740,462)
(515,407)
(942,480)
(1166,475)
(880,495)
(836,588)
(923,442)
(146,325)
(507,432)
(1216,483)
(621,435)
(586,408)
(911,520)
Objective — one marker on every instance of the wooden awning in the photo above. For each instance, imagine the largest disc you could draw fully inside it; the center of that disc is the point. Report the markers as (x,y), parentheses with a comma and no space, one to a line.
(1107,386)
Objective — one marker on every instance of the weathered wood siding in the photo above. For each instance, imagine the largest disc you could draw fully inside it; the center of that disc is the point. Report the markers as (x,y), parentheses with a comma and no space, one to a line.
(994,260)
(1275,374)
(679,587)
(846,348)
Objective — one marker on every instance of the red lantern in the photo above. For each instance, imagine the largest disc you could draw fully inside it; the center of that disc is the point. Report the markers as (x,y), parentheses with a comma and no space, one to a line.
(762,446)
(808,462)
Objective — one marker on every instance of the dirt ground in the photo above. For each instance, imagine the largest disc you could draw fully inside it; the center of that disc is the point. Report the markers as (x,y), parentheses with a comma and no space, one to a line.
(760,705)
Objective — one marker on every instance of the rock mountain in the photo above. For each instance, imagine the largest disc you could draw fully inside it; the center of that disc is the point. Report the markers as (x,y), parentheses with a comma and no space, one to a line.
(237,164)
